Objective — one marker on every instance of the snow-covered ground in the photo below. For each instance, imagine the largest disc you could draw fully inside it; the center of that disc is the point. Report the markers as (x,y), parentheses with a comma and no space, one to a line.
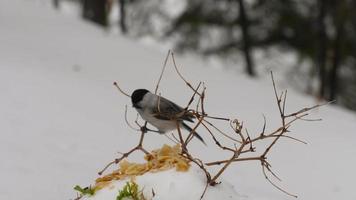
(62,120)
(172,185)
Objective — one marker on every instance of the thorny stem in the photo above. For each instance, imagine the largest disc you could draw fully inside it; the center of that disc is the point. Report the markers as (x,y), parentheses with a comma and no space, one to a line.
(181,140)
(163,69)
(235,160)
(192,98)
(274,185)
(277,134)
(181,76)
(191,134)
(125,155)
(221,132)
(120,90)
(243,139)
(235,155)
(127,121)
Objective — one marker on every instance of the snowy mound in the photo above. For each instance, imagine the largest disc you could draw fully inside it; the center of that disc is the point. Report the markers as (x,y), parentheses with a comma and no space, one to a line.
(166,174)
(172,185)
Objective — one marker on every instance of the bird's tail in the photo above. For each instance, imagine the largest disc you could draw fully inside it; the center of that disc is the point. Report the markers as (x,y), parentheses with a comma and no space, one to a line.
(195,133)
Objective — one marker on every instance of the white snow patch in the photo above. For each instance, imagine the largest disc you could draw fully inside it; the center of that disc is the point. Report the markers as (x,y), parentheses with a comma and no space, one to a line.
(62,120)
(172,185)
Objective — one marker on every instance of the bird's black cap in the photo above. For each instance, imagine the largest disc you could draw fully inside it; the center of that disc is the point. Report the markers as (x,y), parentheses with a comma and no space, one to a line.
(137,96)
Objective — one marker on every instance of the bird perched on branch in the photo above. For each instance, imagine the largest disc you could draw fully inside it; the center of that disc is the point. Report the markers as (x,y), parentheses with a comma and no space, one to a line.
(161,112)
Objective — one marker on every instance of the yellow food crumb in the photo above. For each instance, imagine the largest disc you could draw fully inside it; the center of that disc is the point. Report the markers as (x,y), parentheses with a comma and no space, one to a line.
(161,159)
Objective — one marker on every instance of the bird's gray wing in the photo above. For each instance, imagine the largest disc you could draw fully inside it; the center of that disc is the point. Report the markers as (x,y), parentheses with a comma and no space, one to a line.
(169,110)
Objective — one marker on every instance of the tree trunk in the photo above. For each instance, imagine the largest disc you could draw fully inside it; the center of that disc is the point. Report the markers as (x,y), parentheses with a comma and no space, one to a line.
(55,4)
(246,39)
(339,22)
(122,20)
(96,11)
(333,80)
(321,49)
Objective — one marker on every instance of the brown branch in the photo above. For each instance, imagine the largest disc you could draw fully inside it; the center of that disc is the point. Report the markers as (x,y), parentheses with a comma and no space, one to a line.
(173,140)
(163,69)
(289,137)
(234,156)
(275,185)
(181,140)
(245,149)
(205,188)
(216,141)
(235,160)
(278,99)
(192,98)
(202,100)
(159,103)
(191,134)
(127,122)
(221,132)
(304,110)
(197,106)
(284,102)
(262,134)
(181,76)
(218,118)
(273,142)
(120,90)
(139,147)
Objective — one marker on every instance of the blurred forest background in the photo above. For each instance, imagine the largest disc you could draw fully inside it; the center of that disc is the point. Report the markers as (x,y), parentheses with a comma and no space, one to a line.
(321,33)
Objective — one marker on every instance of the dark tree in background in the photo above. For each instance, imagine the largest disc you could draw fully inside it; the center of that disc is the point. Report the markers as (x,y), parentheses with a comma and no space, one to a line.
(203,21)
(246,38)
(337,58)
(122,20)
(322,33)
(55,3)
(96,11)
(321,47)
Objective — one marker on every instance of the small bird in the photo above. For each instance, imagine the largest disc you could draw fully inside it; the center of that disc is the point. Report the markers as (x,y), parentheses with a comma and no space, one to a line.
(161,112)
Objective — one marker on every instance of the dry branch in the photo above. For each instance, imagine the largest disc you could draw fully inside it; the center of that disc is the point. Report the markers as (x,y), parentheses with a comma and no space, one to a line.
(120,90)
(163,69)
(244,144)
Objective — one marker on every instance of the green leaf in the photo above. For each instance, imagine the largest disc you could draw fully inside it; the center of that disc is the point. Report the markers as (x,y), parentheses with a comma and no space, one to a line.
(84,191)
(130,190)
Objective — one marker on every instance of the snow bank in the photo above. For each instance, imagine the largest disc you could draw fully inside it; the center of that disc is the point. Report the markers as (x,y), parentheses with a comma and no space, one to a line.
(61,119)
(165,174)
(172,185)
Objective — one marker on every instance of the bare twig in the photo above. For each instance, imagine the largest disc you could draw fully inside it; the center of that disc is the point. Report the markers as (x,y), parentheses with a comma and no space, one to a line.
(159,103)
(192,98)
(289,137)
(122,92)
(127,122)
(173,140)
(237,152)
(192,132)
(244,143)
(275,185)
(139,147)
(221,132)
(264,126)
(163,69)
(181,76)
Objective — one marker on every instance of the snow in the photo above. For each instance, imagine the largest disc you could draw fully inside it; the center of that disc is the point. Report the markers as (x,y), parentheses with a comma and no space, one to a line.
(62,120)
(171,185)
